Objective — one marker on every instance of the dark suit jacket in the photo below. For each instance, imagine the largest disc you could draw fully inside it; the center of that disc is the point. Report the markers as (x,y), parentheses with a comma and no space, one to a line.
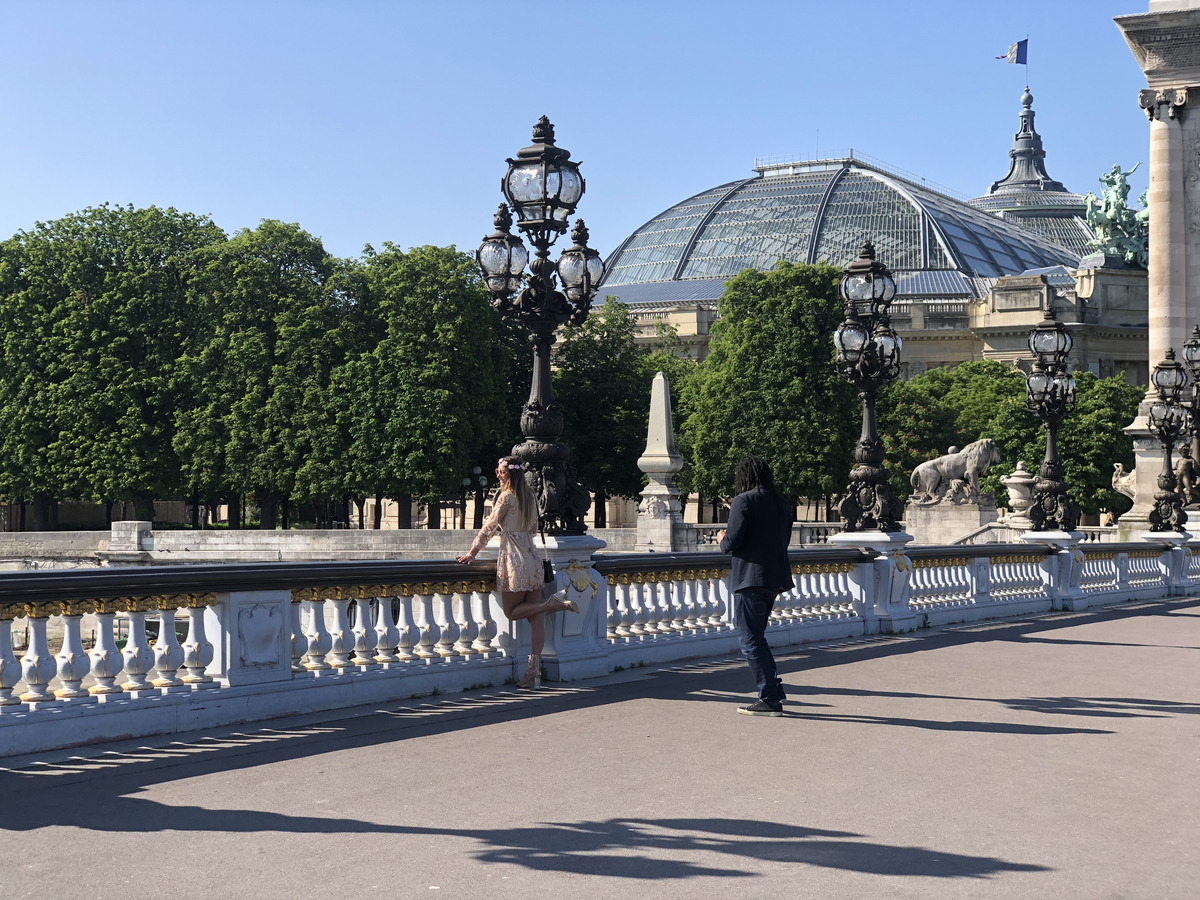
(759,529)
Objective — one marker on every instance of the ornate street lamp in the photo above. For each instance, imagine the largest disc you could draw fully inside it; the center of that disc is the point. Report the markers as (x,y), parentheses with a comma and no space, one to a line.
(1191,359)
(1050,394)
(868,356)
(543,186)
(1168,419)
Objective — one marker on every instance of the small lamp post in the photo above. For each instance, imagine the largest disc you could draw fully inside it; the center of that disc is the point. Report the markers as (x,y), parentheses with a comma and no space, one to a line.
(1050,394)
(1168,418)
(543,186)
(481,484)
(868,356)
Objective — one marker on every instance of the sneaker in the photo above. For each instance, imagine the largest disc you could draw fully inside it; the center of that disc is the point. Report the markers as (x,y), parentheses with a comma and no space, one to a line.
(762,708)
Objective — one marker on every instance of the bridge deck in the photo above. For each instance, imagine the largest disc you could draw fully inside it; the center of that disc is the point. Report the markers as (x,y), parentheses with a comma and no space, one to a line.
(1050,757)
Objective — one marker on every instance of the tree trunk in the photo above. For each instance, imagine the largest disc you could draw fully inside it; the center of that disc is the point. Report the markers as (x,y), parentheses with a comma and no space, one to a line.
(404,511)
(22,502)
(435,514)
(377,518)
(108,505)
(268,506)
(601,506)
(285,510)
(235,511)
(41,512)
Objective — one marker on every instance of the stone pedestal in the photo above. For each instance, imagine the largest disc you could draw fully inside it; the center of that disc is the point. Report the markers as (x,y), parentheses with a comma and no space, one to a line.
(881,588)
(1020,491)
(1148,461)
(946,522)
(1062,567)
(576,646)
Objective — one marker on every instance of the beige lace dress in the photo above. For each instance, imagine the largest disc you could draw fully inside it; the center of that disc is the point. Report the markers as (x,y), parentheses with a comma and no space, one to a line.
(519,564)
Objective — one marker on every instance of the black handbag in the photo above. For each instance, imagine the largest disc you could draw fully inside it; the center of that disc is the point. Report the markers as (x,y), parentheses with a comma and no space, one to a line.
(547,565)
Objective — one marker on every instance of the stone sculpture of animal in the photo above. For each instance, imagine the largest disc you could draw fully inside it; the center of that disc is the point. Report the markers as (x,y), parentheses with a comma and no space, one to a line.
(933,479)
(1124,482)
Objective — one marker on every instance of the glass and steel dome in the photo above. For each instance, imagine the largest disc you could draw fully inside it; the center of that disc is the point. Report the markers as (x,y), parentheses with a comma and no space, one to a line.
(821,211)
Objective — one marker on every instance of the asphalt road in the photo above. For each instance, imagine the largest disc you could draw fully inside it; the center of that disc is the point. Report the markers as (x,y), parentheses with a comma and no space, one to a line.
(1054,757)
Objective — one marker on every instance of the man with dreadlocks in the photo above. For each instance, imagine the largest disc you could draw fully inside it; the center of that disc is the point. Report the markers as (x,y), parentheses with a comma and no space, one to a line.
(760,526)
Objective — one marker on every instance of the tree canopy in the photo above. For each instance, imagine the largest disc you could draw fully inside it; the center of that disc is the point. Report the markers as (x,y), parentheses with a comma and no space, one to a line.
(769,387)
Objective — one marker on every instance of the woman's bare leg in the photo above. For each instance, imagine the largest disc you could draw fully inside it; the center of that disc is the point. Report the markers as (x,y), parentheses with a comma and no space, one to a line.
(537,634)
(522,604)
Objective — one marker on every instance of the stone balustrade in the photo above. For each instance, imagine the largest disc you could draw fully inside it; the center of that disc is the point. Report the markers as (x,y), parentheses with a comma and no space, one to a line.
(216,645)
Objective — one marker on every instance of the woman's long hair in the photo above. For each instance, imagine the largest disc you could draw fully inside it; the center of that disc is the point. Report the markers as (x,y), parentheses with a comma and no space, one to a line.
(753,472)
(527,507)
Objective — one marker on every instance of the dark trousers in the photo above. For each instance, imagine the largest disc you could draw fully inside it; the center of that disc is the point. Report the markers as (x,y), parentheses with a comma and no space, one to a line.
(752,612)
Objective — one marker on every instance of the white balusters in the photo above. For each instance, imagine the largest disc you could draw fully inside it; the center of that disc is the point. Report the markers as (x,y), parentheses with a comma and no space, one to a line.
(427,630)
(139,658)
(689,601)
(637,608)
(299,638)
(107,661)
(387,635)
(72,659)
(716,591)
(37,665)
(364,628)
(197,650)
(406,626)
(464,620)
(319,640)
(444,616)
(481,599)
(341,637)
(10,669)
(168,654)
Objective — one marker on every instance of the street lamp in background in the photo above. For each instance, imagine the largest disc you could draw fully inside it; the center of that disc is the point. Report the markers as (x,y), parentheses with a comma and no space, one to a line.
(1050,394)
(868,356)
(1167,420)
(1191,359)
(543,186)
(477,482)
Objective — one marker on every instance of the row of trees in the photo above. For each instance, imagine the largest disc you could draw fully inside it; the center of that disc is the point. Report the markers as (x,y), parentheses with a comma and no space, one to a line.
(146,354)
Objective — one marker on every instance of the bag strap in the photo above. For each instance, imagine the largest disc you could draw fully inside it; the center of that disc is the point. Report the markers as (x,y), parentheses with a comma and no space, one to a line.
(545,548)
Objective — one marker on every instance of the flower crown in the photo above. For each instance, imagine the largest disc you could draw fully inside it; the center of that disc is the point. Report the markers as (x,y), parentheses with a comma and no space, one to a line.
(512,467)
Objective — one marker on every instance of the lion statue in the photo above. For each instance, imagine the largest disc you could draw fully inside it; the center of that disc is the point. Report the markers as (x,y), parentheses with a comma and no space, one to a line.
(955,476)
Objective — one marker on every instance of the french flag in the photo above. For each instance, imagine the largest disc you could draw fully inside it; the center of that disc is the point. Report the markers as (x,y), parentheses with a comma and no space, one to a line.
(1016,52)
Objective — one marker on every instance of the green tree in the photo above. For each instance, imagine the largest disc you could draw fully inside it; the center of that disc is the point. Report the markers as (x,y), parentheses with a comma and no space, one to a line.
(769,387)
(428,398)
(270,302)
(603,383)
(95,309)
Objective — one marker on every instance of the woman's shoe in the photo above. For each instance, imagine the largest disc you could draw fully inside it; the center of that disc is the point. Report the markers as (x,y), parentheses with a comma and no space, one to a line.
(558,603)
(533,674)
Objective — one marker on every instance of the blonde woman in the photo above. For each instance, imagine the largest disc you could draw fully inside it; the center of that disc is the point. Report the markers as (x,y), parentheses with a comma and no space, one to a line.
(519,577)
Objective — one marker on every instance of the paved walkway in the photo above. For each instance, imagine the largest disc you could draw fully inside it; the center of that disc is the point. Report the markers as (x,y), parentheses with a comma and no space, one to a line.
(1055,757)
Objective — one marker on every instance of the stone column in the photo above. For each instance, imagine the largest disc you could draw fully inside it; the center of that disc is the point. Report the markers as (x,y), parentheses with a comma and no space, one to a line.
(1166,43)
(659,513)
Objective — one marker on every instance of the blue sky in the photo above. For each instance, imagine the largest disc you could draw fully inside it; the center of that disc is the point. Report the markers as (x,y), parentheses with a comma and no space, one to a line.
(390,121)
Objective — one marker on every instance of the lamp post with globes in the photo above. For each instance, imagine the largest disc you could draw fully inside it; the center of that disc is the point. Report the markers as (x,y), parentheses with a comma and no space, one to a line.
(1191,359)
(868,356)
(1167,420)
(543,186)
(1050,394)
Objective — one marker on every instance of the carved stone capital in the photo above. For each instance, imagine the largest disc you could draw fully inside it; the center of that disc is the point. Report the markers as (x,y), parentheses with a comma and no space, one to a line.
(1172,101)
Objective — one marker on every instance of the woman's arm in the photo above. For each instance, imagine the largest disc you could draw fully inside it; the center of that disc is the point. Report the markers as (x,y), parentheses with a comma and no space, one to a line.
(491,526)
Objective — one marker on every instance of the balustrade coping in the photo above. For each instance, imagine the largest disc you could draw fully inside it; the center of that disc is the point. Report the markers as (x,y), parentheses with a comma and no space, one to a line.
(102,583)
(625,563)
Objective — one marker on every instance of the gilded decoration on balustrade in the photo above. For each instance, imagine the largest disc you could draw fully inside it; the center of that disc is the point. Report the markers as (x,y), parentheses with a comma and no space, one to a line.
(1029,558)
(937,563)
(1145,554)
(580,576)
(43,609)
(666,576)
(366,592)
(822,568)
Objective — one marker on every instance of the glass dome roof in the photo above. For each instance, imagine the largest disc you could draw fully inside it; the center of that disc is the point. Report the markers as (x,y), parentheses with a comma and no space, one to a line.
(821,212)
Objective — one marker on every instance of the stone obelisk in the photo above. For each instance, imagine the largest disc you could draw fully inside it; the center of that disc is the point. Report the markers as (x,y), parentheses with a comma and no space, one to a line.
(1166,43)
(659,513)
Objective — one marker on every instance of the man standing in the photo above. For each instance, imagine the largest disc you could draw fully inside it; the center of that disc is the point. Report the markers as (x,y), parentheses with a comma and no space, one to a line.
(760,527)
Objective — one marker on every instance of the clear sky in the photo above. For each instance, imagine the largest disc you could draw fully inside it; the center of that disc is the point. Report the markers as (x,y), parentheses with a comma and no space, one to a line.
(369,121)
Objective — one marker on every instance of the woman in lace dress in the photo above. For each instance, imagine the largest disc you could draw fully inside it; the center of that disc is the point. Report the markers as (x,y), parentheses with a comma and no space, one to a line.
(519,577)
